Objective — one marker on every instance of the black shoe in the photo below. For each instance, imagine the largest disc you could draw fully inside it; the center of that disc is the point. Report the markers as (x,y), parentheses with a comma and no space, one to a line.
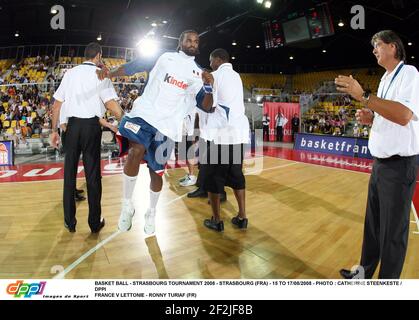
(240,223)
(212,224)
(347,274)
(71,229)
(223,198)
(101,225)
(198,193)
(79,197)
(79,191)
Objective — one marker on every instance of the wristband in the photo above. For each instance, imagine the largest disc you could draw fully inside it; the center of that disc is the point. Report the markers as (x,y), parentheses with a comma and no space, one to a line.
(207,88)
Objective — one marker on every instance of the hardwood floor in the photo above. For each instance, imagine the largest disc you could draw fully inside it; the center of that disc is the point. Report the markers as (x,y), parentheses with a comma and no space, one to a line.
(305,221)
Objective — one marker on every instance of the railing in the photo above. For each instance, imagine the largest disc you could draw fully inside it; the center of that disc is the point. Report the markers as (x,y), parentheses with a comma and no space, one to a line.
(57,51)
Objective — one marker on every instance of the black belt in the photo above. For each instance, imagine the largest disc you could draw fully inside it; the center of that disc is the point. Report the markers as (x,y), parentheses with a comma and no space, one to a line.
(87,120)
(394,158)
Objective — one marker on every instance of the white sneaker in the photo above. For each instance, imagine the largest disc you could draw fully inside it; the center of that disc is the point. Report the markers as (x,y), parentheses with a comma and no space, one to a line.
(127,212)
(184,178)
(189,181)
(150,221)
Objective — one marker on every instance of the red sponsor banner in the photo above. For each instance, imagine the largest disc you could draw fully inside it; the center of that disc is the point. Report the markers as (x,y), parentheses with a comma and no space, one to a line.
(288,110)
(55,171)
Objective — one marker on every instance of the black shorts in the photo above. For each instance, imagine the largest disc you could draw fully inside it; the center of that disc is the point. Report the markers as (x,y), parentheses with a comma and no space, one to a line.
(223,167)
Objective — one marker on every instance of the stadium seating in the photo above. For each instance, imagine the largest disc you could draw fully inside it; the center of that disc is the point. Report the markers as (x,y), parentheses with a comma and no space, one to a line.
(255,80)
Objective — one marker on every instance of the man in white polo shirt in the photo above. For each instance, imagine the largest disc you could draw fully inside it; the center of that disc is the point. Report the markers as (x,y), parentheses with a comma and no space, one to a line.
(394,143)
(85,100)
(227,131)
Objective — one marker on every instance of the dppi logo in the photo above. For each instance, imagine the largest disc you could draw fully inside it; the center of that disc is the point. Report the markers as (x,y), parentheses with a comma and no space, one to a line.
(27,290)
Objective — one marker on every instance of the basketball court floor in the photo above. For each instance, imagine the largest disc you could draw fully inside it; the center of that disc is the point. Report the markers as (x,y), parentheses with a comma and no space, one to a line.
(305,210)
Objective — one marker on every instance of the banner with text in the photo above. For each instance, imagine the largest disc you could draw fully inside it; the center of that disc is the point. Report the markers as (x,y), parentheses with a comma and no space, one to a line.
(345,146)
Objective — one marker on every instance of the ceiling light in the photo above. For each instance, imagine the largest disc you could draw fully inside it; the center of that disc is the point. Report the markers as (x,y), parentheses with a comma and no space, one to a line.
(234,43)
(233,58)
(154,24)
(259,1)
(291,58)
(17,34)
(147,47)
(409,43)
(53,11)
(99,37)
(257,47)
(341,23)
(164,21)
(268,4)
(324,51)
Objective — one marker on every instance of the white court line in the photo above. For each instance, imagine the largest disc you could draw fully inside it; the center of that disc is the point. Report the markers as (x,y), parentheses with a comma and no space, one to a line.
(415,214)
(319,165)
(272,168)
(63,273)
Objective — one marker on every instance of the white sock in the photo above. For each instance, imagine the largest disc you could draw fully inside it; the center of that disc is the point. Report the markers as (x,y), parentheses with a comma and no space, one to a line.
(154,198)
(128,186)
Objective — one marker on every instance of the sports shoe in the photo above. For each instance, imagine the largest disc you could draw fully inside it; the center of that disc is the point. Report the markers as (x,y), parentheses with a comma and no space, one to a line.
(212,224)
(79,197)
(240,223)
(150,221)
(184,178)
(127,212)
(198,193)
(189,181)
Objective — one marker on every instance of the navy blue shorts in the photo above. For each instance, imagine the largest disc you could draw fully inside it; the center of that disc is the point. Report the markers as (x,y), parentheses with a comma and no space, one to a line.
(158,146)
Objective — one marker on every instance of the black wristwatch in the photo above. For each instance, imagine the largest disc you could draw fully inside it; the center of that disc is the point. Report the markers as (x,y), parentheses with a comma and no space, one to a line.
(366,97)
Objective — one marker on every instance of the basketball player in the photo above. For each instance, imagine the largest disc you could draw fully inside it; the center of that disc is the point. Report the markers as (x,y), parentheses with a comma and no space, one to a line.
(156,119)
(229,132)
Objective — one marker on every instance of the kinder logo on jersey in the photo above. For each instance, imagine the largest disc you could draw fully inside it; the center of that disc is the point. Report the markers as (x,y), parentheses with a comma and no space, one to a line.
(180,84)
(27,290)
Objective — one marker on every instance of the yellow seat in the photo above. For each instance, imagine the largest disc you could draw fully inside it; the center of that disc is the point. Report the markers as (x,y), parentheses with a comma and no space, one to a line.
(13,125)
(33,115)
(6,123)
(9,131)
